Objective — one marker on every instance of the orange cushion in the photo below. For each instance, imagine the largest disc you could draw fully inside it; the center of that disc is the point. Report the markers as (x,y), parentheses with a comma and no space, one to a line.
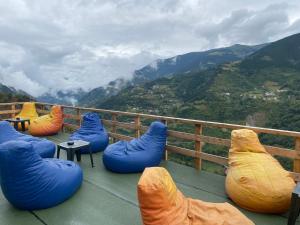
(48,124)
(28,112)
(162,203)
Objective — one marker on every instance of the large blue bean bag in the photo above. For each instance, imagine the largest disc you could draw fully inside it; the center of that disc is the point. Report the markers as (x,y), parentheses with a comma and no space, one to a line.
(43,147)
(30,182)
(134,156)
(91,130)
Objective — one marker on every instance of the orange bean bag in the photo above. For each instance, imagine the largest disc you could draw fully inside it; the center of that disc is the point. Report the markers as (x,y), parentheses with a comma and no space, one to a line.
(28,112)
(48,124)
(255,180)
(161,203)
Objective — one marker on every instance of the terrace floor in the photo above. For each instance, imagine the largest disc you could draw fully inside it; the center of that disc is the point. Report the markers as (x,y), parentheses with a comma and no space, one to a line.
(110,199)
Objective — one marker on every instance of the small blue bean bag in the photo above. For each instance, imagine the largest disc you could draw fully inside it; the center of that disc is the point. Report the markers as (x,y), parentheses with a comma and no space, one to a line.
(134,156)
(43,147)
(30,182)
(93,131)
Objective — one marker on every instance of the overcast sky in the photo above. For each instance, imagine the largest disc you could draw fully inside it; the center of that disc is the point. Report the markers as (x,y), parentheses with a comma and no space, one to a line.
(66,44)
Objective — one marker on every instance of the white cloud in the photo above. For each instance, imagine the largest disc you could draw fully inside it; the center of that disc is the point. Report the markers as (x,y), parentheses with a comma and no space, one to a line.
(20,81)
(66,44)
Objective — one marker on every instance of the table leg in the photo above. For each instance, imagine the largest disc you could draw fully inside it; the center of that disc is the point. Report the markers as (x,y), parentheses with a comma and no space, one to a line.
(70,154)
(78,155)
(58,151)
(23,125)
(16,125)
(91,156)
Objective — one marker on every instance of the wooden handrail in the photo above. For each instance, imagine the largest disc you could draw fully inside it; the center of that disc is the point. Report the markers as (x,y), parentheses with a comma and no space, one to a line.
(12,103)
(10,112)
(72,113)
(119,124)
(187,121)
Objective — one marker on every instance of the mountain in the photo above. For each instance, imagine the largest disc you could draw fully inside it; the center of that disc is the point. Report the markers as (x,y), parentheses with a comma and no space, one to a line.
(62,97)
(5,90)
(84,98)
(284,53)
(193,61)
(240,88)
(180,64)
(100,94)
(9,94)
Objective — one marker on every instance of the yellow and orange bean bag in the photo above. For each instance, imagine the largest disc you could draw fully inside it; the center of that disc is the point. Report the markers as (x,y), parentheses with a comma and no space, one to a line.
(48,124)
(255,180)
(28,112)
(161,203)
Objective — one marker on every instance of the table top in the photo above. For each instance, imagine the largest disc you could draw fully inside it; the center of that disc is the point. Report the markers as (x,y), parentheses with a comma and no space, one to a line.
(17,120)
(77,144)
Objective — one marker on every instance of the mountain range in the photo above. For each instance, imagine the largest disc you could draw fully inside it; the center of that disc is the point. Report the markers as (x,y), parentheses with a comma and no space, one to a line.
(62,97)
(180,64)
(243,80)
(10,94)
(232,92)
(193,61)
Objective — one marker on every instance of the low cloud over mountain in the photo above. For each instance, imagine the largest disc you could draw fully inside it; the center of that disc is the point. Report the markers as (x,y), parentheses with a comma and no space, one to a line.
(71,44)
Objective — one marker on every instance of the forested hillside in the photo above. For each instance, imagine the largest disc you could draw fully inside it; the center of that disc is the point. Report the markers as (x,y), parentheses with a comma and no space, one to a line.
(11,95)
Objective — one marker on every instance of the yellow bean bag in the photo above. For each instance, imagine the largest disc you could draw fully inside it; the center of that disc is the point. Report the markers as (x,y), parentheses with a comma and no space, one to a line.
(255,180)
(28,112)
(48,124)
(161,204)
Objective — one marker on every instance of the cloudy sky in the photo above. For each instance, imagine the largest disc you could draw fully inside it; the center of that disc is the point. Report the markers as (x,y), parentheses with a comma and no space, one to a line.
(66,44)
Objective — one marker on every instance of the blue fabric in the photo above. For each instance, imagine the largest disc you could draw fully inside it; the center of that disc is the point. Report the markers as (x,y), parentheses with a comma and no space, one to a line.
(134,156)
(91,130)
(43,147)
(30,182)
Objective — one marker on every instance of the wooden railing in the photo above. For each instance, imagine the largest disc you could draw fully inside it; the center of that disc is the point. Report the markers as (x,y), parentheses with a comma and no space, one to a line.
(72,120)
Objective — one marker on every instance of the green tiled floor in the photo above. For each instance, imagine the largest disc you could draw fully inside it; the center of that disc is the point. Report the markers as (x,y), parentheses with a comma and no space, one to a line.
(110,199)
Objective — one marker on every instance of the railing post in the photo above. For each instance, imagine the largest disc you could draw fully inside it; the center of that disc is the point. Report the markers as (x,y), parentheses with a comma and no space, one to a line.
(198,147)
(42,107)
(13,108)
(297,159)
(166,156)
(79,116)
(137,121)
(63,119)
(114,127)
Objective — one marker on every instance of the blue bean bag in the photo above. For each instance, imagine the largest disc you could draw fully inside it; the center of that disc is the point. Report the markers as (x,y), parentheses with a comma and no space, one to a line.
(91,130)
(134,156)
(43,147)
(30,182)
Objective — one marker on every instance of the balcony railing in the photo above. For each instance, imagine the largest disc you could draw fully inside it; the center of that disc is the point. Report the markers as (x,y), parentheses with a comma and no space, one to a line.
(136,123)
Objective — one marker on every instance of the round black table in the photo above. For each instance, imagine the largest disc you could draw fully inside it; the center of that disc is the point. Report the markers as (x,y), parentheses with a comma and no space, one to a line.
(16,122)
